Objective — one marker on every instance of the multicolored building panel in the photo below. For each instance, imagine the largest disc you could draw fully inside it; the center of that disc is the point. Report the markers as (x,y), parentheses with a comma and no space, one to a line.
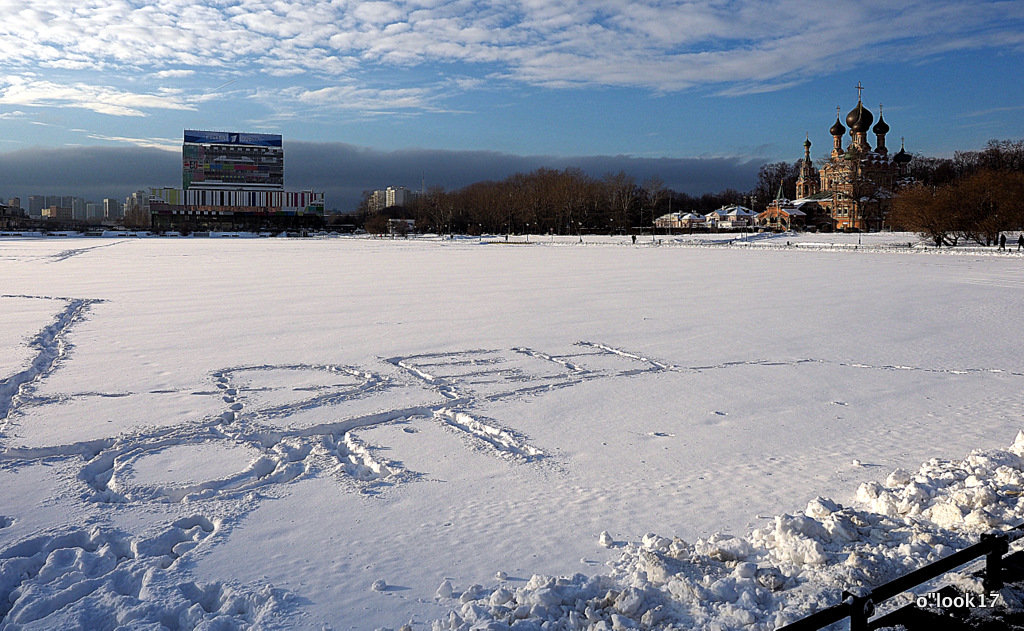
(232,160)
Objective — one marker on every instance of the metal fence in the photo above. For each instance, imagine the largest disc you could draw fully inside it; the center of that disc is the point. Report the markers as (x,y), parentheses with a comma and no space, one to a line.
(860,607)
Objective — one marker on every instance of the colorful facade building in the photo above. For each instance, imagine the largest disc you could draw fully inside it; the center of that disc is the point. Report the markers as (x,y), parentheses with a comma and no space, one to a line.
(783,214)
(233,181)
(232,160)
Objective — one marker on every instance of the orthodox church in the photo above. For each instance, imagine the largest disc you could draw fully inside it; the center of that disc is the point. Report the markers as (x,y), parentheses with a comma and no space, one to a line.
(856,185)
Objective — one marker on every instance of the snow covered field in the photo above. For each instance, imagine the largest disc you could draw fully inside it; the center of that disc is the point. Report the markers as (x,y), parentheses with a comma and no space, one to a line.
(321,432)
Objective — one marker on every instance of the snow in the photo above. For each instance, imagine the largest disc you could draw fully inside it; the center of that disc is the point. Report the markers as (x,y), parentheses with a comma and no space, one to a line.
(363,433)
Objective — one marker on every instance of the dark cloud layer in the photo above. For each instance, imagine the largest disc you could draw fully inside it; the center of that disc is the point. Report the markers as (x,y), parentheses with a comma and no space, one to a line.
(342,171)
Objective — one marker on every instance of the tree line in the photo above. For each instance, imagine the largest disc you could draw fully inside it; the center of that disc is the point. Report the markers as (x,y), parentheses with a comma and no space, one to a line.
(548,201)
(973,196)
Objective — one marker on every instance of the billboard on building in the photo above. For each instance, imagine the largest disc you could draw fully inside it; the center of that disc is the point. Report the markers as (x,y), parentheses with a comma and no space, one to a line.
(200,137)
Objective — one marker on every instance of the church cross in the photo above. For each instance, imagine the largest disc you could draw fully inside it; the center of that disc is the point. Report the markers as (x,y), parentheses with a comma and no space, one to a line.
(859,88)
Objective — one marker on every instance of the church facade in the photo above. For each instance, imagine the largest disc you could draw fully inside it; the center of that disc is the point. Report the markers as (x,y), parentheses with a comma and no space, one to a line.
(855,187)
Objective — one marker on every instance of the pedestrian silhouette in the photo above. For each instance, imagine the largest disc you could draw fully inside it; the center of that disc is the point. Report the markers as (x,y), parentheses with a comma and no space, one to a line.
(1002,241)
(1020,241)
(634,239)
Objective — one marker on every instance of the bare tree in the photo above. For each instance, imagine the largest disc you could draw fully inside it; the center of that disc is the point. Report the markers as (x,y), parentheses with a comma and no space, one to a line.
(621,194)
(975,207)
(770,177)
(654,192)
(920,208)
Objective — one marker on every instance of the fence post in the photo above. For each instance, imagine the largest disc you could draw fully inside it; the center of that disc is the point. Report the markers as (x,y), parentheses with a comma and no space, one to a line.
(862,607)
(998,546)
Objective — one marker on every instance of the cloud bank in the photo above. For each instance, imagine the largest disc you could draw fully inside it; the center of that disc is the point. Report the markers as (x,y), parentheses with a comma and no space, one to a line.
(343,171)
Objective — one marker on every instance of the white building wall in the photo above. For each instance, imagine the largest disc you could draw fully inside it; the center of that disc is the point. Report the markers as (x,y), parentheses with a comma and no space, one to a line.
(397,196)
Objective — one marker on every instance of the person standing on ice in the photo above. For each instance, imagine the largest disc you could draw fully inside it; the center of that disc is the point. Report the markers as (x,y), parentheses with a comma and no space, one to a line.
(1020,241)
(1002,241)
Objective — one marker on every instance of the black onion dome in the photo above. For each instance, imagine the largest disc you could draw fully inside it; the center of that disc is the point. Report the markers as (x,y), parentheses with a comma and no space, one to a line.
(837,129)
(881,127)
(807,143)
(901,156)
(860,118)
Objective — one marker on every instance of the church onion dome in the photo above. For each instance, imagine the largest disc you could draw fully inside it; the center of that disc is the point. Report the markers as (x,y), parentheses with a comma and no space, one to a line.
(902,156)
(807,143)
(859,119)
(837,129)
(881,128)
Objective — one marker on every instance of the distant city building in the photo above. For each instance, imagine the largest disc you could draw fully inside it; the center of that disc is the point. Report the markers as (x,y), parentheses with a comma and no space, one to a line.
(392,196)
(14,203)
(139,200)
(112,209)
(233,181)
(42,205)
(399,196)
(36,204)
(93,211)
(857,184)
(78,209)
(58,213)
(377,201)
(9,217)
(65,201)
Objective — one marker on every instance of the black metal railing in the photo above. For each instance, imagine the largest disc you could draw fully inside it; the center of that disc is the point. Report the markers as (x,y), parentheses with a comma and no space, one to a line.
(861,606)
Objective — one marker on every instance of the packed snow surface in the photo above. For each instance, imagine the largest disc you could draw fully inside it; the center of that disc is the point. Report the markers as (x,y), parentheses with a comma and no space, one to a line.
(453,434)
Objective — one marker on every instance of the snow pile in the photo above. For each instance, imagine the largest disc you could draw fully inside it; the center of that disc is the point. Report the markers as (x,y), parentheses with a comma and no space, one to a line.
(102,578)
(776,574)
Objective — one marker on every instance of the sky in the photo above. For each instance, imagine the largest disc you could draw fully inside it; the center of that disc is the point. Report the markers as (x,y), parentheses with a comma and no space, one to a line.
(372,94)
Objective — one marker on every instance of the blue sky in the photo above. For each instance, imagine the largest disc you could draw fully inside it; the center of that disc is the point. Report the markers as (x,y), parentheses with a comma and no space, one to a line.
(737,79)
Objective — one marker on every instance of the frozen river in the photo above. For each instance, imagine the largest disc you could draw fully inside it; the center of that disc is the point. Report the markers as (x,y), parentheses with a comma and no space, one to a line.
(258,430)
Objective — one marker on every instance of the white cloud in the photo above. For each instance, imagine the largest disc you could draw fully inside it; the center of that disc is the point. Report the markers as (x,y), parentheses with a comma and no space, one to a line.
(173,74)
(377,13)
(164,144)
(348,97)
(739,47)
(101,99)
